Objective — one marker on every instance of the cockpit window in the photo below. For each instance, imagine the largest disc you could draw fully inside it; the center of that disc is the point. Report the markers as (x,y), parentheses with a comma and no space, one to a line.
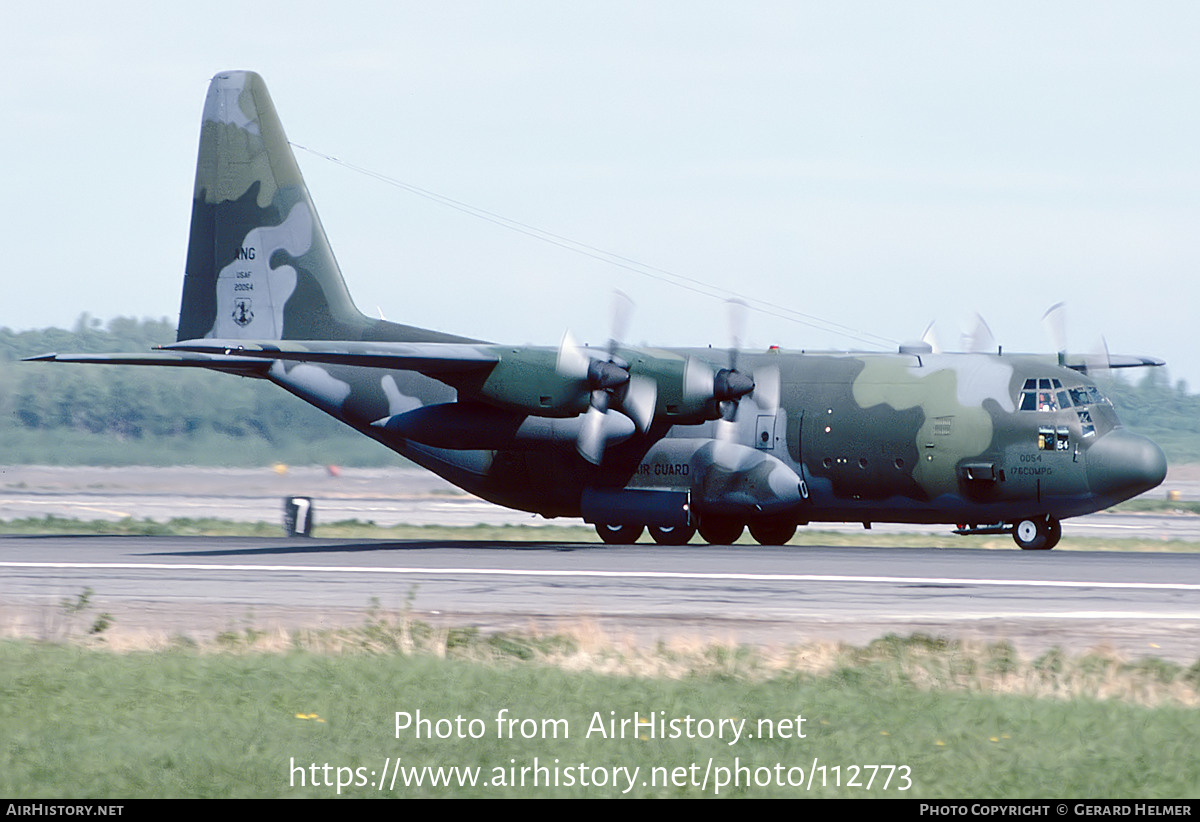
(1043,394)
(1048,394)
(1086,425)
(1088,395)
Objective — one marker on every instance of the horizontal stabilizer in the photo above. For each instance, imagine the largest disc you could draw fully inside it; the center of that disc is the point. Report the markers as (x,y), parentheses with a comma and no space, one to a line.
(241,365)
(427,358)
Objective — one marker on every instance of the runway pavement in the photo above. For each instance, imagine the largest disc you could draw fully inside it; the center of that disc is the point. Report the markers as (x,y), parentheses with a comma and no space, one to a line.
(1138,604)
(386,496)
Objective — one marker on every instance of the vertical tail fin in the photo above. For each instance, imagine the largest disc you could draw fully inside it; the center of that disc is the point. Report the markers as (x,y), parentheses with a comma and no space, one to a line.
(259,265)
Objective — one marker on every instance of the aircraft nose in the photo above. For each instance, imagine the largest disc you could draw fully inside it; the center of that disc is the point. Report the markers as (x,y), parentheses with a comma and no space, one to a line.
(1124,464)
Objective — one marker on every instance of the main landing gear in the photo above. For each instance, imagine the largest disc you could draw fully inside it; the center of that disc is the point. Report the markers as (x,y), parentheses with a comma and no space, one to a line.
(619,534)
(720,530)
(678,535)
(629,534)
(714,531)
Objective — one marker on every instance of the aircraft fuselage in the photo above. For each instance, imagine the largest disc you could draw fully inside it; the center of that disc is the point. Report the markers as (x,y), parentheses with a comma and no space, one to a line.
(929,438)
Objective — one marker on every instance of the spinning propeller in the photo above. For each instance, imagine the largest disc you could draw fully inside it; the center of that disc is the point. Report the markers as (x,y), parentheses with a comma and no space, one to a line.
(612,387)
(1054,321)
(980,340)
(608,380)
(729,385)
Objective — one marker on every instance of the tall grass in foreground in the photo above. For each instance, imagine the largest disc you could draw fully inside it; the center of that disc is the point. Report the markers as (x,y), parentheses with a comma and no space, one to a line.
(261,714)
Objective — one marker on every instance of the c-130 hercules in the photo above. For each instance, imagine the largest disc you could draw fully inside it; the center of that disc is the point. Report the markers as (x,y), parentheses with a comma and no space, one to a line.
(676,440)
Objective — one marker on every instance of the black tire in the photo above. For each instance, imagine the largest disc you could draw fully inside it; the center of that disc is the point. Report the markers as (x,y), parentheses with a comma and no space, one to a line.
(679,535)
(618,534)
(772,533)
(1053,533)
(720,531)
(1038,534)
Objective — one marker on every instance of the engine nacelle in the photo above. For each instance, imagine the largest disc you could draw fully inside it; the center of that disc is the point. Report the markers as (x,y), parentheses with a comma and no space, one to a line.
(527,379)
(532,381)
(475,426)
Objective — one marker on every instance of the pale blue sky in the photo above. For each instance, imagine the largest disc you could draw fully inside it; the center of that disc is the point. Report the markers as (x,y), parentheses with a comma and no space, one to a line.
(878,165)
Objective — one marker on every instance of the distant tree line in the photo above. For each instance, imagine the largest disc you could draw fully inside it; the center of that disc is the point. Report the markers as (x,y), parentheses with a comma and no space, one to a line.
(100,414)
(1149,404)
(64,414)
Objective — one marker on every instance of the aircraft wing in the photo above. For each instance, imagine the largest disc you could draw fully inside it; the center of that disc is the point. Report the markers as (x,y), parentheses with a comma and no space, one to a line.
(432,359)
(1116,361)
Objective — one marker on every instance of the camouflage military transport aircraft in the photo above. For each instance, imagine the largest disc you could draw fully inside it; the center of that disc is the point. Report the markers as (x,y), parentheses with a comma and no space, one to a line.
(632,438)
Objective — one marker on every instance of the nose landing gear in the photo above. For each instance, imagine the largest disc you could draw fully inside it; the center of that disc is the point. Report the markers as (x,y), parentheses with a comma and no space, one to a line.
(1038,534)
(1032,534)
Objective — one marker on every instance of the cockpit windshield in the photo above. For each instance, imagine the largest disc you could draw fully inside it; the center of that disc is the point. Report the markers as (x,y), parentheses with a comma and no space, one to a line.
(1044,395)
(1088,395)
(1048,394)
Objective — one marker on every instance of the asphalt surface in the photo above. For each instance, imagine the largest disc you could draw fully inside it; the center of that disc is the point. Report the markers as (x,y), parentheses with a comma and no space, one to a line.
(1138,604)
(389,496)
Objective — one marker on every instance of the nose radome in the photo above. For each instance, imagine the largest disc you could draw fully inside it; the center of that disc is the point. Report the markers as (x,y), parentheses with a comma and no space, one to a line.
(1124,464)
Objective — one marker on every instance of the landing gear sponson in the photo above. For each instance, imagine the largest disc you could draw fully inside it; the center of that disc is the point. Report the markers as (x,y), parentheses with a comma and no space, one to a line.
(713,530)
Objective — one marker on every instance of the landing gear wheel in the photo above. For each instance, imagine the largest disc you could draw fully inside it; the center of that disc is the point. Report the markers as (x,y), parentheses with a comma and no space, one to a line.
(1053,532)
(678,535)
(1039,534)
(720,531)
(618,534)
(772,533)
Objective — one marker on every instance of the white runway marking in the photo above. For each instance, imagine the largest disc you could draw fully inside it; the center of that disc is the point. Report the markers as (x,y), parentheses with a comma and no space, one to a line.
(680,575)
(1057,615)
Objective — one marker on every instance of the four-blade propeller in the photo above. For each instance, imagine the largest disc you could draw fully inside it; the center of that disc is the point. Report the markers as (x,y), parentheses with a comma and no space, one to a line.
(612,386)
(608,379)
(730,385)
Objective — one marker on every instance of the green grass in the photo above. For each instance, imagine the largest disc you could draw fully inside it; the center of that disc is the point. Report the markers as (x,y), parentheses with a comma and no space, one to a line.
(243,722)
(1159,506)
